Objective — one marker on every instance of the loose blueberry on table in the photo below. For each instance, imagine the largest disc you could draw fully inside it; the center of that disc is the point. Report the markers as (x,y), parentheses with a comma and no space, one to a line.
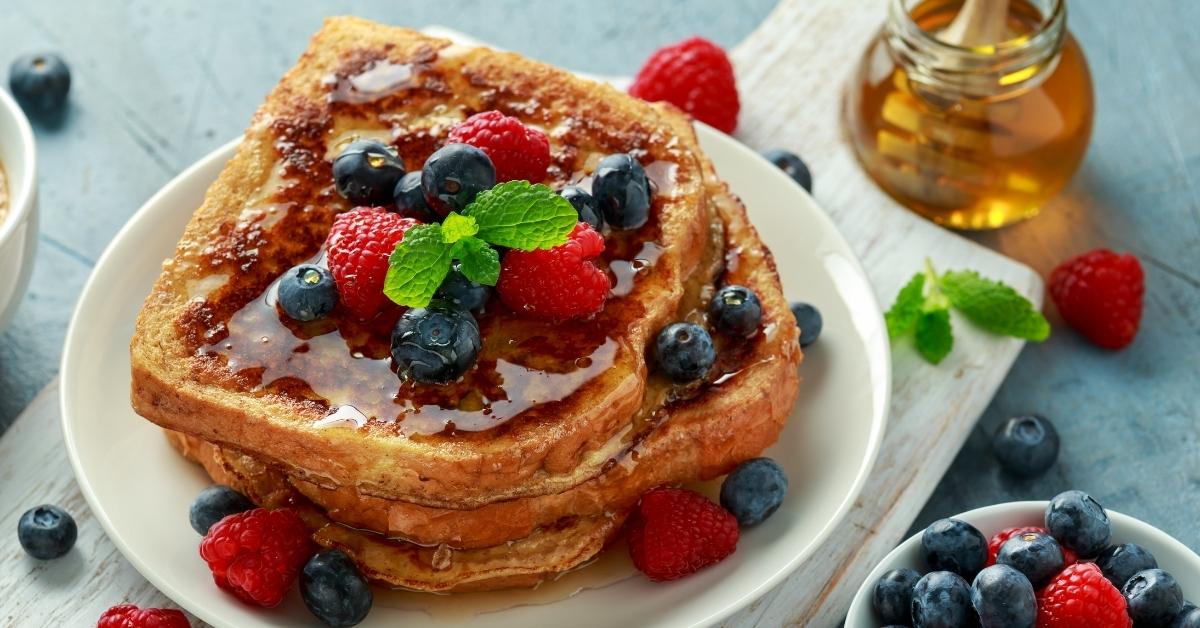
(40,83)
(1026,446)
(47,532)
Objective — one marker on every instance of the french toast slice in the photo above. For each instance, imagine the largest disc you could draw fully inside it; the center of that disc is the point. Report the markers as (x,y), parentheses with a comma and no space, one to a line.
(548,404)
(697,438)
(520,542)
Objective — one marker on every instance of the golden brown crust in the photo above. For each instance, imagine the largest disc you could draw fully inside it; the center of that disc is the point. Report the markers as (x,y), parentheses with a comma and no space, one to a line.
(180,385)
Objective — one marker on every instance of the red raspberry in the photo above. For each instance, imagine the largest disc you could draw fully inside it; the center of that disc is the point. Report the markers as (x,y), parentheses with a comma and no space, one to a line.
(1081,597)
(676,532)
(557,283)
(130,616)
(517,151)
(1100,294)
(357,250)
(1069,557)
(694,75)
(257,554)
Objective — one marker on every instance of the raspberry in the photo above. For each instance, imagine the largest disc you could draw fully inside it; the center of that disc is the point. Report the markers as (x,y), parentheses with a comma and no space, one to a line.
(694,75)
(557,283)
(676,532)
(357,249)
(1080,597)
(130,616)
(257,554)
(1069,557)
(517,151)
(1100,294)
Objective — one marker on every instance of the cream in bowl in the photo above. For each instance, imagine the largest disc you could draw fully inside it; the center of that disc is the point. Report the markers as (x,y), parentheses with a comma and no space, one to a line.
(18,199)
(983,571)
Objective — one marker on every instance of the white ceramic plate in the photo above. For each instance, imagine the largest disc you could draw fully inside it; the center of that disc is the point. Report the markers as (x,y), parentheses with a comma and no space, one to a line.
(1171,555)
(140,489)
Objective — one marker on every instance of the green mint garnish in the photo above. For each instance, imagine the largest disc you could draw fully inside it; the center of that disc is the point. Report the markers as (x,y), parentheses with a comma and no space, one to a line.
(521,215)
(417,267)
(922,309)
(477,260)
(994,306)
(457,227)
(515,214)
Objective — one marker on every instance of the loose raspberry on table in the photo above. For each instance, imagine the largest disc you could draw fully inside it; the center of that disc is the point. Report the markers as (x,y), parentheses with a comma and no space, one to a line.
(518,152)
(357,251)
(1081,597)
(998,539)
(676,532)
(558,283)
(694,75)
(1099,293)
(130,616)
(257,554)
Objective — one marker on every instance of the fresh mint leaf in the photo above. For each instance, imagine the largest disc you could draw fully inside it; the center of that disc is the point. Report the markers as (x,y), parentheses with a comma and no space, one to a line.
(902,317)
(478,261)
(417,267)
(457,226)
(994,306)
(521,215)
(934,336)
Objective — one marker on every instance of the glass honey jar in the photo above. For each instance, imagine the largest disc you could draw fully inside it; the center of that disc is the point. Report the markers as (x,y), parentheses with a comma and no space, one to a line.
(971,134)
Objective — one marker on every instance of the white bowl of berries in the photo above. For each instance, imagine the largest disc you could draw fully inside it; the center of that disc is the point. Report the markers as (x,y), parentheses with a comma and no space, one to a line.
(18,205)
(1066,562)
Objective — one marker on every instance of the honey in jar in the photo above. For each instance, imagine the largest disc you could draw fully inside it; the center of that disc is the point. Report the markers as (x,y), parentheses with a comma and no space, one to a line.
(971,134)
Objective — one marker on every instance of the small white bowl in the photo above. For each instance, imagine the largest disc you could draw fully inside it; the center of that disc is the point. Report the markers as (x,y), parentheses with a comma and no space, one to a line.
(18,227)
(1172,555)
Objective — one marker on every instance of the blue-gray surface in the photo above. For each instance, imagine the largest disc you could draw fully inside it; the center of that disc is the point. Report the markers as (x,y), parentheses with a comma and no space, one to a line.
(160,84)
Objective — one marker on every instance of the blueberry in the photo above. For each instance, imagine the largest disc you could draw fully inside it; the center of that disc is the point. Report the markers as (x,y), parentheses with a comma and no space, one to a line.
(334,590)
(435,344)
(46,532)
(1153,598)
(754,490)
(214,504)
(307,292)
(809,320)
(622,191)
(410,199)
(736,311)
(684,352)
(453,175)
(585,204)
(463,292)
(1079,523)
(1034,554)
(40,83)
(366,173)
(953,545)
(792,166)
(1121,562)
(1189,617)
(892,596)
(941,599)
(1026,445)
(1004,598)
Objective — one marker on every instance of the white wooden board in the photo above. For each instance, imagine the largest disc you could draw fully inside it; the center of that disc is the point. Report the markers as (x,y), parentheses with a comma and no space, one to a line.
(791,74)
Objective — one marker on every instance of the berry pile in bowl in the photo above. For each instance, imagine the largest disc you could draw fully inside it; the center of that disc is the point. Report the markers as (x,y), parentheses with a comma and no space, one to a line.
(1064,563)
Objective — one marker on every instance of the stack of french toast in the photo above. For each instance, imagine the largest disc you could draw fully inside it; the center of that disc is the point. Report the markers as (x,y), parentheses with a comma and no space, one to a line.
(526,466)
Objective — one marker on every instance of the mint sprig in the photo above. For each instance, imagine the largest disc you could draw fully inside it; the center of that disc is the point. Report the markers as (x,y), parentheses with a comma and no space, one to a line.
(515,214)
(922,309)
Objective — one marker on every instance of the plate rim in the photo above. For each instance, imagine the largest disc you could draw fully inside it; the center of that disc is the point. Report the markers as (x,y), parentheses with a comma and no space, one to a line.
(880,413)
